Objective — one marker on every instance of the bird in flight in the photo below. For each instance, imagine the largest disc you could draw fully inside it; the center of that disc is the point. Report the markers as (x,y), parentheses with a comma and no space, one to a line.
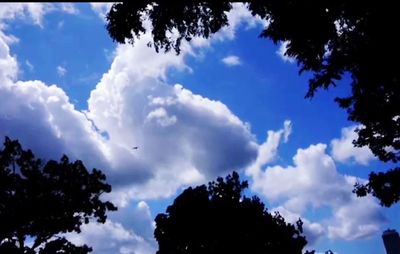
(135,147)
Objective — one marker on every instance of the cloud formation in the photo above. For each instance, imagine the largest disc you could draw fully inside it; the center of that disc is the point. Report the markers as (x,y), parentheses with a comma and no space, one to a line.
(313,182)
(281,52)
(343,149)
(231,60)
(61,71)
(183,138)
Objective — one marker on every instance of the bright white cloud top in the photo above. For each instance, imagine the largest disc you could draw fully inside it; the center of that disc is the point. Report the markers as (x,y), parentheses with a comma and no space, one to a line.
(183,138)
(343,149)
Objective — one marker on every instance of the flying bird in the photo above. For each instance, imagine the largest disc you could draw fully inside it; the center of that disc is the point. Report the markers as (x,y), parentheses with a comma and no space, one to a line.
(135,147)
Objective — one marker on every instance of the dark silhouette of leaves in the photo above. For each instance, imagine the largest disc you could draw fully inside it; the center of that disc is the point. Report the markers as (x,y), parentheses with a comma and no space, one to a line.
(327,38)
(40,201)
(219,219)
(384,186)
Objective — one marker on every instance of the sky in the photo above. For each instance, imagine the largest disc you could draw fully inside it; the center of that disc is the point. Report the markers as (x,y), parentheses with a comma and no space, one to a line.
(232,102)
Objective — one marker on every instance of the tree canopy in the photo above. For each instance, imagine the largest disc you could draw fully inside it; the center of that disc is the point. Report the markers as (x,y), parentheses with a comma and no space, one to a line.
(218,219)
(39,201)
(327,38)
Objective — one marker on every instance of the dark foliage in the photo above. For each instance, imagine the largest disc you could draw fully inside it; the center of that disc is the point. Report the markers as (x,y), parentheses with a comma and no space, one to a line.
(384,186)
(219,219)
(327,38)
(40,201)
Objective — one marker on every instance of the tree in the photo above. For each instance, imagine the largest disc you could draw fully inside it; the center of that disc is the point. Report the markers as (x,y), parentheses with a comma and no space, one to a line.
(39,201)
(219,219)
(327,38)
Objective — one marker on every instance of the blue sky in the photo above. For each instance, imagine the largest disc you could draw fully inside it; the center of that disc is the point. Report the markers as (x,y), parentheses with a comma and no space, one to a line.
(230,102)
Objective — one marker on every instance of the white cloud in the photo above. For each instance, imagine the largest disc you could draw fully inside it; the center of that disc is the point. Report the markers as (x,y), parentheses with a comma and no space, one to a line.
(231,60)
(101,9)
(111,237)
(267,151)
(33,11)
(183,139)
(130,230)
(8,64)
(29,65)
(160,115)
(312,230)
(239,15)
(69,8)
(61,71)
(343,149)
(281,53)
(314,183)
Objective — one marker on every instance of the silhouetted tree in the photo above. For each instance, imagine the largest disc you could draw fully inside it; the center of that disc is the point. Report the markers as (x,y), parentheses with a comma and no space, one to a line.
(384,186)
(219,219)
(327,38)
(38,202)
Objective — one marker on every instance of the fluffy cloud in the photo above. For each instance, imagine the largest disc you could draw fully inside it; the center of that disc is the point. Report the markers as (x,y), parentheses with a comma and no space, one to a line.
(231,60)
(343,149)
(112,237)
(8,64)
(32,11)
(314,183)
(267,151)
(239,15)
(281,53)
(128,231)
(312,230)
(183,138)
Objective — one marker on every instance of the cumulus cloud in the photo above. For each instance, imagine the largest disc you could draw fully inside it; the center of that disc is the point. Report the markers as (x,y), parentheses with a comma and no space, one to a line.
(231,60)
(281,52)
(313,182)
(312,230)
(343,149)
(130,230)
(267,151)
(111,237)
(238,16)
(183,138)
